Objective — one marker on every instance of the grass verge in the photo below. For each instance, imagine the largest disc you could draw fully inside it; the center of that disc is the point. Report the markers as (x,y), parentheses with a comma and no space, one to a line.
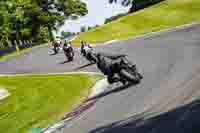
(167,14)
(39,100)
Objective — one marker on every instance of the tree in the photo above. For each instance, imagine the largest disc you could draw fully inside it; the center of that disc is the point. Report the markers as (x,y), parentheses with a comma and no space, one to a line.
(135,4)
(54,13)
(96,26)
(125,3)
(66,34)
(36,19)
(89,27)
(115,17)
(43,35)
(83,28)
(5,25)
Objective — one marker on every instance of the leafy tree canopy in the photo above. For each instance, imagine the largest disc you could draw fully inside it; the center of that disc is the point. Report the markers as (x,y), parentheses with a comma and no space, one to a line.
(135,4)
(28,19)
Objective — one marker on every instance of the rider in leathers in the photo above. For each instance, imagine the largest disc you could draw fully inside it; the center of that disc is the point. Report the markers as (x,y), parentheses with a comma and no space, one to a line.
(110,65)
(67,48)
(85,48)
(56,46)
(82,48)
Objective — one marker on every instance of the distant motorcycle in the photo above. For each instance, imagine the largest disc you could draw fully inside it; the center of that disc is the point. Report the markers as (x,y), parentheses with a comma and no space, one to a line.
(118,68)
(88,53)
(69,53)
(56,47)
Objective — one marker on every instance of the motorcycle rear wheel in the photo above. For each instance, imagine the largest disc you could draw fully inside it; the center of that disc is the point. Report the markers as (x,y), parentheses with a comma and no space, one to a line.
(129,77)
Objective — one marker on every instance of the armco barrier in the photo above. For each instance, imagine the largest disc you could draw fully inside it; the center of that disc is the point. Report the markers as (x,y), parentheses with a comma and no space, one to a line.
(11,49)
(7,50)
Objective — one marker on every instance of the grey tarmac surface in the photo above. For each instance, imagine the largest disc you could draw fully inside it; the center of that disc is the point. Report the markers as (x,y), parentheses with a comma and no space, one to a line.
(170,64)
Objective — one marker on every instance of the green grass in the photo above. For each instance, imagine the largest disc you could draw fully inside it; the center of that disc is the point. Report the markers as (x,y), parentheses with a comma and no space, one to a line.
(167,14)
(39,100)
(15,53)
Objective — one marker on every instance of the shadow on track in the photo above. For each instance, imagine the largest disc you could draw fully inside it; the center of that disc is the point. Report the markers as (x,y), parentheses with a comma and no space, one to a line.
(108,92)
(89,64)
(64,62)
(53,54)
(184,119)
(88,103)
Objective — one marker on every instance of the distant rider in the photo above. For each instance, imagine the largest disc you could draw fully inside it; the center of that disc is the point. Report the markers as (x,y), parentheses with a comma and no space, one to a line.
(68,49)
(82,48)
(85,48)
(56,46)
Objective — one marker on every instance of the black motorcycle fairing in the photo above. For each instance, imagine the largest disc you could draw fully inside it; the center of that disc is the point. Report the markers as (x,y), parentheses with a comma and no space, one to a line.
(69,53)
(88,53)
(120,66)
(91,56)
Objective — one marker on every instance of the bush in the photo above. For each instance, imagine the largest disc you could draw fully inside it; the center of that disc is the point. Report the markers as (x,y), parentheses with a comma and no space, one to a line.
(107,20)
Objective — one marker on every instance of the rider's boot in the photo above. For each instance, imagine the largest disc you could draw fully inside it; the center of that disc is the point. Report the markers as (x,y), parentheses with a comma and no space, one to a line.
(112,79)
(141,77)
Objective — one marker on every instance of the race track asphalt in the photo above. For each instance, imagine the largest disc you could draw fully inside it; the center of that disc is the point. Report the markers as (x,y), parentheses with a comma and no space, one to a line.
(165,101)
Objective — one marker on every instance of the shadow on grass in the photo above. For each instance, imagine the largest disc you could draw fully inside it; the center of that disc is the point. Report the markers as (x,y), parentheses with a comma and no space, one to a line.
(184,119)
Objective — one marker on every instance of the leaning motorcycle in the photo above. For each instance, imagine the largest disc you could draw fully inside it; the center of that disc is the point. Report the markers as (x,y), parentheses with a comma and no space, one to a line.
(89,55)
(129,73)
(55,49)
(69,53)
(119,69)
